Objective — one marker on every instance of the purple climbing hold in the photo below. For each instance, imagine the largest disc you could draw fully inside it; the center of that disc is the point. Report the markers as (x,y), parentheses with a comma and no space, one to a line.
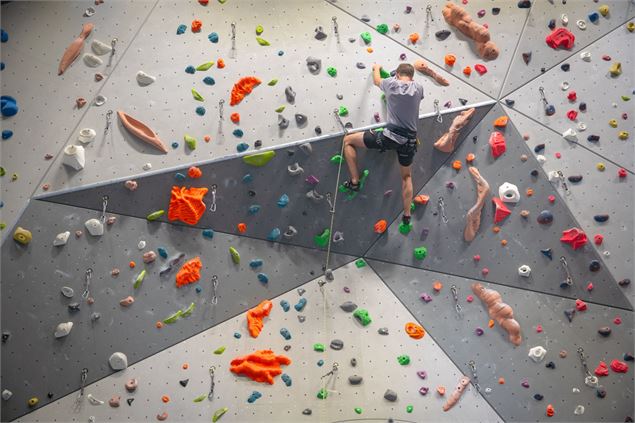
(312,180)
(422,374)
(426,297)
(424,390)
(479,331)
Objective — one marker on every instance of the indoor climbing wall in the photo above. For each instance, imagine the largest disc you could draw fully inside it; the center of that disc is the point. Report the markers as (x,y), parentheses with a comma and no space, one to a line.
(205,224)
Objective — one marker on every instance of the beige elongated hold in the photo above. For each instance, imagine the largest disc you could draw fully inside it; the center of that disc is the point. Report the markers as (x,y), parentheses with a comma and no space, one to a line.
(447,142)
(456,395)
(141,131)
(72,51)
(473,217)
(422,67)
(498,311)
(458,17)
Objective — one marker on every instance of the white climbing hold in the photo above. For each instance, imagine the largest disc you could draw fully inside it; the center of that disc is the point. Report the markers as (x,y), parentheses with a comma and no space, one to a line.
(570,135)
(524,271)
(564,19)
(579,410)
(6,395)
(564,85)
(586,56)
(537,353)
(581,126)
(61,239)
(306,148)
(290,232)
(144,79)
(86,135)
(100,48)
(94,227)
(295,169)
(509,193)
(147,166)
(118,361)
(581,23)
(141,245)
(553,176)
(74,157)
(67,291)
(89,12)
(541,159)
(100,100)
(92,61)
(93,400)
(63,329)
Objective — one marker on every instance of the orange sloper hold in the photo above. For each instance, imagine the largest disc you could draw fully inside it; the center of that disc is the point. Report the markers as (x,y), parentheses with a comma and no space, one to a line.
(243,87)
(194,172)
(260,366)
(414,330)
(501,122)
(255,316)
(186,204)
(189,273)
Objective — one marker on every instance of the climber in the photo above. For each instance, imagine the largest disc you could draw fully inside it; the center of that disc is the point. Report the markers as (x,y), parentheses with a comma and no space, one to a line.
(403,96)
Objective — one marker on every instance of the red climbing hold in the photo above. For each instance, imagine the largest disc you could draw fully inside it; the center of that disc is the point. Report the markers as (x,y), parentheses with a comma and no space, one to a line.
(572,114)
(552,199)
(619,366)
(235,117)
(560,38)
(572,96)
(481,69)
(621,172)
(501,210)
(575,237)
(602,369)
(597,239)
(589,287)
(580,305)
(497,144)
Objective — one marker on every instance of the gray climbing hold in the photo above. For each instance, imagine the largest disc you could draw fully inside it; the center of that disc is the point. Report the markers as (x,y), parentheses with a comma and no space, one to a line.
(68,292)
(6,395)
(315,196)
(390,395)
(283,123)
(301,318)
(527,57)
(300,119)
(348,306)
(319,34)
(314,64)
(328,274)
(301,291)
(118,361)
(290,94)
(94,316)
(365,18)
(337,344)
(355,380)
(306,148)
(307,411)
(382,331)
(353,362)
(360,65)
(184,382)
(339,96)
(442,35)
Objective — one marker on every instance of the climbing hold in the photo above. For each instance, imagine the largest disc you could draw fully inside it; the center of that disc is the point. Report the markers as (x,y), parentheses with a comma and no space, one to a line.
(619,366)
(22,236)
(524,271)
(545,217)
(366,37)
(63,329)
(336,344)
(189,273)
(420,253)
(442,35)
(497,144)
(560,38)
(450,59)
(501,210)
(575,237)
(348,306)
(331,71)
(322,240)
(300,119)
(414,330)
(615,69)
(300,305)
(6,134)
(390,395)
(241,88)
(405,228)
(467,71)
(509,193)
(8,106)
(481,69)
(604,331)
(362,316)
(414,37)
(118,361)
(283,123)
(262,41)
(314,64)
(537,353)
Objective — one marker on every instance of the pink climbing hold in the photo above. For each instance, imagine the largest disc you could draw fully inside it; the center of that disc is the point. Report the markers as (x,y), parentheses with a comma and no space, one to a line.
(539,328)
(497,144)
(580,305)
(617,320)
(575,237)
(476,257)
(552,199)
(589,287)
(619,366)
(501,210)
(598,239)
(560,38)
(481,69)
(485,271)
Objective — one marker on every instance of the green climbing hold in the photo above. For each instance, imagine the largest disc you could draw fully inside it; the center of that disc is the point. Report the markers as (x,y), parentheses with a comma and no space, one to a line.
(219,350)
(363,316)
(409,409)
(259,29)
(219,413)
(403,359)
(205,66)
(382,28)
(155,215)
(360,263)
(413,206)
(272,82)
(259,159)
(331,71)
(235,255)
(280,109)
(405,229)
(190,142)
(200,398)
(366,37)
(262,41)
(2,226)
(383,74)
(322,240)
(2,171)
(222,1)
(188,310)
(343,111)
(322,394)
(173,318)
(336,159)
(358,410)
(318,347)
(362,182)
(139,279)
(625,98)
(421,253)
(197,96)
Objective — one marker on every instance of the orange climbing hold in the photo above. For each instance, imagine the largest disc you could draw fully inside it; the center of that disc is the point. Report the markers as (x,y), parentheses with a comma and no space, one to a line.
(132,264)
(529,192)
(501,122)
(422,199)
(261,366)
(186,204)
(450,59)
(207,138)
(380,226)
(441,390)
(220,63)
(470,158)
(242,228)
(189,273)
(467,71)
(369,50)
(501,380)
(194,172)
(490,324)
(550,411)
(159,324)
(437,285)
(457,165)
(243,87)
(414,37)
(235,117)
(165,398)
(196,25)
(414,330)
(185,366)
(496,229)
(503,242)
(256,315)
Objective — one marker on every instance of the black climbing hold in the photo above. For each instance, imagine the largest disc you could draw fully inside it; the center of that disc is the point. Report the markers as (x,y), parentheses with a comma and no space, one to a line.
(509,102)
(337,344)
(283,123)
(319,34)
(552,24)
(129,401)
(390,395)
(628,357)
(545,217)
(463,101)
(50,395)
(355,380)
(258,143)
(539,148)
(547,253)
(348,125)
(382,331)
(582,107)
(442,35)
(251,193)
(601,218)
(534,173)
(564,284)
(594,266)
(538,397)
(593,138)
(348,306)
(569,314)
(543,70)
(353,362)
(360,65)
(496,10)
(286,347)
(307,411)
(5,336)
(565,67)
(318,130)
(575,178)
(527,57)
(365,18)
(300,119)
(73,307)
(550,365)
(550,110)
(301,291)
(524,4)
(600,392)
(604,331)
(474,139)
(624,282)
(290,153)
(184,382)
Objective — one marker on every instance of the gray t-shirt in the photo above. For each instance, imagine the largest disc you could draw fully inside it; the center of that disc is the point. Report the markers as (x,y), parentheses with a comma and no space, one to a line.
(402,101)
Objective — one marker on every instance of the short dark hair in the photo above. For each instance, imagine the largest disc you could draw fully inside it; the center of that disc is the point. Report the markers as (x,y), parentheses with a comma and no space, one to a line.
(406,69)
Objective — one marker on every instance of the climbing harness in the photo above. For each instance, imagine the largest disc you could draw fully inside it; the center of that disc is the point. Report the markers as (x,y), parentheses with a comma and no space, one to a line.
(214,288)
(569,281)
(113,43)
(336,29)
(88,277)
(212,206)
(472,365)
(438,118)
(589,379)
(104,204)
(108,121)
(210,396)
(455,295)
(441,207)
(549,108)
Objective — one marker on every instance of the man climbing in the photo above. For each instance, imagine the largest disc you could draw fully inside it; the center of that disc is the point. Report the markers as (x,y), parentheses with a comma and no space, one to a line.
(403,96)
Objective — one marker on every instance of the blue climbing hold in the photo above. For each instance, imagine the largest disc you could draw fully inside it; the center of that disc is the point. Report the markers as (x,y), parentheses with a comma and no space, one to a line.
(285,333)
(175,145)
(200,110)
(179,176)
(247,178)
(8,105)
(286,379)
(285,305)
(190,69)
(238,133)
(600,218)
(274,235)
(181,29)
(254,208)
(213,37)
(208,233)
(263,278)
(547,253)
(1,66)
(237,335)
(593,17)
(162,252)
(280,53)
(320,363)
(545,217)
(550,110)
(243,146)
(198,289)
(4,37)
(255,263)
(300,305)
(254,396)
(209,80)
(6,134)
(283,201)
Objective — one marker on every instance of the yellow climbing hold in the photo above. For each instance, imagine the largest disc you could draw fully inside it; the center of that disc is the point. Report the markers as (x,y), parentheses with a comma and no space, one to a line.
(623,135)
(600,166)
(613,123)
(630,26)
(22,236)
(262,41)
(604,10)
(205,66)
(615,69)
(197,96)
(259,159)
(259,29)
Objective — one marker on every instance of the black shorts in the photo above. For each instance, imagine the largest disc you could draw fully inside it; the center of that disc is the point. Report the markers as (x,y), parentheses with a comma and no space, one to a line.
(374,140)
